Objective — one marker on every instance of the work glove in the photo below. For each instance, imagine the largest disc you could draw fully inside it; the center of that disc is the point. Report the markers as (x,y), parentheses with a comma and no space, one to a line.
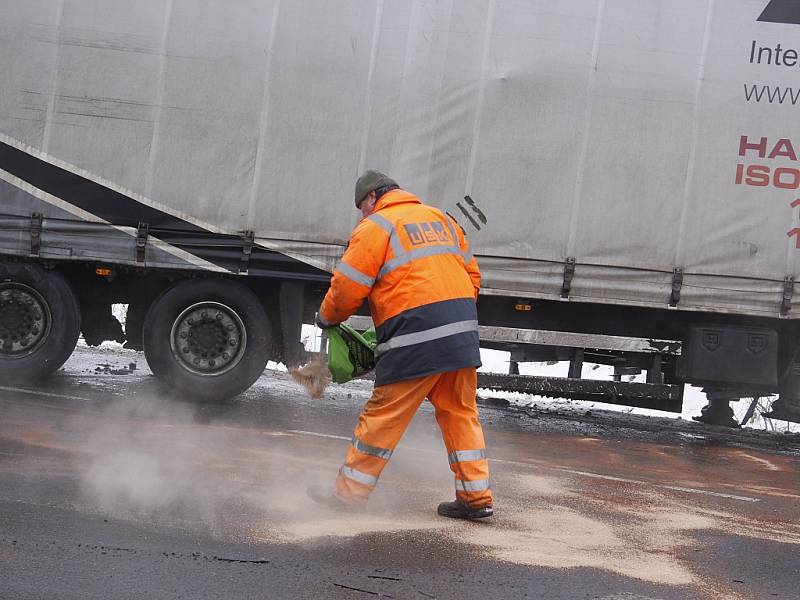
(321,323)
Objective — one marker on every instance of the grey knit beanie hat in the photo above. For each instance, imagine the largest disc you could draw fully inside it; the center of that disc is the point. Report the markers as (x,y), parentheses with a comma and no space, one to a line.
(369,182)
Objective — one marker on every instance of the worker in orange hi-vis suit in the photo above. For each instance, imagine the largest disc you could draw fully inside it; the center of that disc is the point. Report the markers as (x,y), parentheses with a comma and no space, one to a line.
(414,264)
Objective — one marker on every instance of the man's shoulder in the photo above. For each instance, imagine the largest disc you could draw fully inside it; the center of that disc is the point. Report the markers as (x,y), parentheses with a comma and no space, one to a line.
(417,209)
(374,223)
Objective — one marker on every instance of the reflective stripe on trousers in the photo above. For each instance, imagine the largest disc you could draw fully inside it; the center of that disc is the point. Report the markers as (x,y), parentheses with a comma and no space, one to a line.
(459,456)
(456,458)
(472,486)
(358,476)
(371,450)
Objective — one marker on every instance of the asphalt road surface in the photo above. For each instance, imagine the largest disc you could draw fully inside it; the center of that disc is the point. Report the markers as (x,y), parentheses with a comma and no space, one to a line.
(109,489)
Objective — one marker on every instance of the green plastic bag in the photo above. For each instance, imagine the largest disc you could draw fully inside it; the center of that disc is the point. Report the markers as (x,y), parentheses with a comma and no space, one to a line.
(350,353)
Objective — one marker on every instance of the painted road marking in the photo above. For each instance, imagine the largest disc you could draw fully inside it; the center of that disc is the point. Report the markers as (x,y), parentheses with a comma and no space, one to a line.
(707,493)
(564,470)
(661,485)
(5,388)
(322,435)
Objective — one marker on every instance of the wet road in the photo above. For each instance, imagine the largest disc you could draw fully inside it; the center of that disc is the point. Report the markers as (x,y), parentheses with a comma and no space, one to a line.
(110,490)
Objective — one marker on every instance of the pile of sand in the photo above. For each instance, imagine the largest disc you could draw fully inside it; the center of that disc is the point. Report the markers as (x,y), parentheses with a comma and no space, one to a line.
(313,376)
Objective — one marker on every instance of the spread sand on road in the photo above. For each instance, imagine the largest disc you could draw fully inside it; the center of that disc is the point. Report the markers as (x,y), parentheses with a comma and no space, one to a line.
(313,376)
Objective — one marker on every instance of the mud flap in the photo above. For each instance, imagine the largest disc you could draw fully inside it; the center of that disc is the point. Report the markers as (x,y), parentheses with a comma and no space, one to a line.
(292,298)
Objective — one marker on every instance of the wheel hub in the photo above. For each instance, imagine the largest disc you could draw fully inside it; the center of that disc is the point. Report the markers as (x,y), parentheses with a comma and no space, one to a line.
(24,320)
(208,338)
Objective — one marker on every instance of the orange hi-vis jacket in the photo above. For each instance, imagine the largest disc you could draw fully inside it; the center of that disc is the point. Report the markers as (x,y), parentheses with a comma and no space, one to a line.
(414,264)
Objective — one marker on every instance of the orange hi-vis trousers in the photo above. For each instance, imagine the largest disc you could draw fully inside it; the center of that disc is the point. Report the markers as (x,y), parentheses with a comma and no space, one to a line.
(388,413)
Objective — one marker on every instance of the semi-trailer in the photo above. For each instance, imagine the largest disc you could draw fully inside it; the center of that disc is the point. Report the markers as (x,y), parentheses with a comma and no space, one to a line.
(626,172)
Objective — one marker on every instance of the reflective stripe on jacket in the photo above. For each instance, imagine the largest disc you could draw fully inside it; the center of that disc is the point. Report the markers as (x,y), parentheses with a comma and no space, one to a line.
(414,264)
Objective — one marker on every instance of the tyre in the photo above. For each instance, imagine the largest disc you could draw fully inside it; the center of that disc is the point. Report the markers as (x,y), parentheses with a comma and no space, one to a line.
(40,321)
(207,339)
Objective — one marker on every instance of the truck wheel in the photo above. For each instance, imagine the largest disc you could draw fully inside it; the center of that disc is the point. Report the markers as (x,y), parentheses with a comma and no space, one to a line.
(207,339)
(39,322)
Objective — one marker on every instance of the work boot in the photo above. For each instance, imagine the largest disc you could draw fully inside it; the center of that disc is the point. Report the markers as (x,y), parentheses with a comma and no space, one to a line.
(323,496)
(456,510)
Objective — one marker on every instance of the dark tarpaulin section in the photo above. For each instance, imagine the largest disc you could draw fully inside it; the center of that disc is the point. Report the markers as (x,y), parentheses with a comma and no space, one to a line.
(782,11)
(222,250)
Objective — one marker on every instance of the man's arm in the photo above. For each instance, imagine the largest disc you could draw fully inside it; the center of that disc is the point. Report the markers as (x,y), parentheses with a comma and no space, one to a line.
(355,275)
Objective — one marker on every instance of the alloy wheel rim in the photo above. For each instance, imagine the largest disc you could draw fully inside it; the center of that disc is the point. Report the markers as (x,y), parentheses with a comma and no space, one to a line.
(208,339)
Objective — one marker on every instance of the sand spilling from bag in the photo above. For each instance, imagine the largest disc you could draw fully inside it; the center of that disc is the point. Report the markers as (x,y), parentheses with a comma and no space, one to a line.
(313,376)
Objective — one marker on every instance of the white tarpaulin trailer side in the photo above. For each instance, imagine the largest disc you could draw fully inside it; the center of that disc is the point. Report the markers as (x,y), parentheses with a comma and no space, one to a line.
(633,136)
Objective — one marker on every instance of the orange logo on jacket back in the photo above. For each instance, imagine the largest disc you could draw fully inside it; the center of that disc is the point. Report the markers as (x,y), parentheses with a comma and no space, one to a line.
(428,233)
